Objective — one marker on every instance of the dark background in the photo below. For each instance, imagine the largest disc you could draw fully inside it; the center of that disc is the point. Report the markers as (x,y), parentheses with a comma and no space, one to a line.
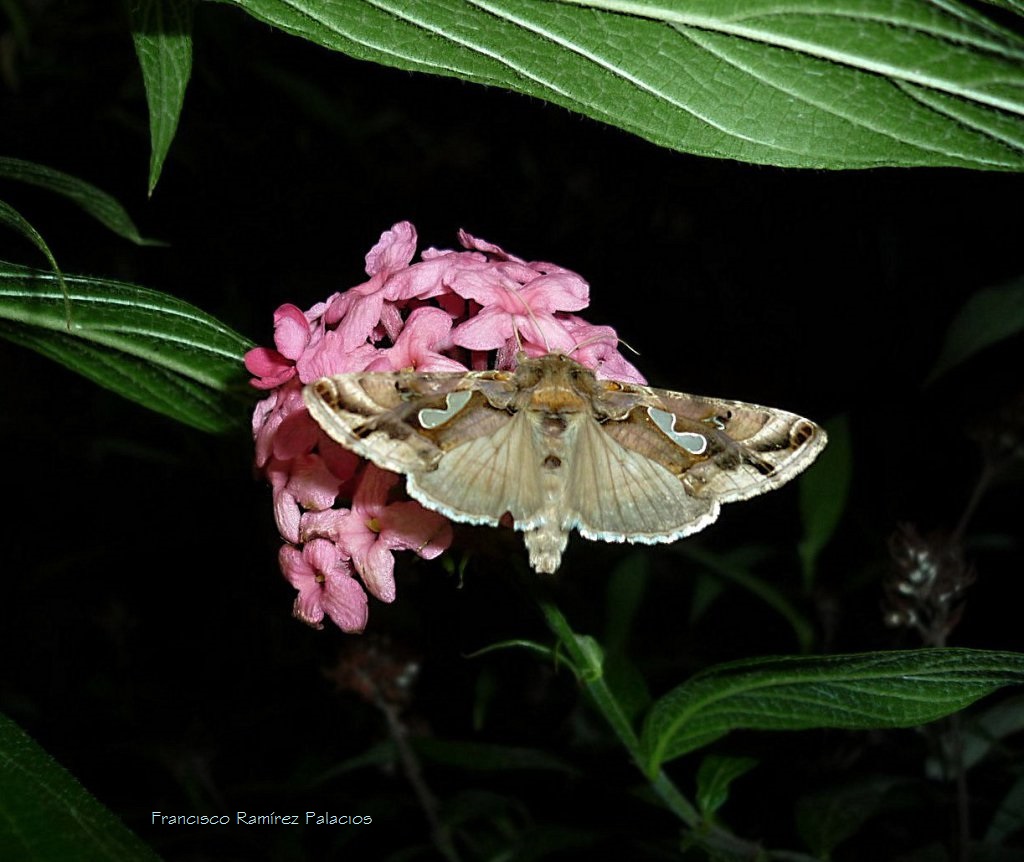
(146,635)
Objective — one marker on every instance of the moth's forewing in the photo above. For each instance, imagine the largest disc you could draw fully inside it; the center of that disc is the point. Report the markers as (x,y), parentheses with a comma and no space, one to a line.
(375,415)
(752,449)
(463,466)
(733,450)
(644,476)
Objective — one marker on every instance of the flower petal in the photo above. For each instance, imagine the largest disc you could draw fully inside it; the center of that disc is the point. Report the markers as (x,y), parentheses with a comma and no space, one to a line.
(291,331)
(393,250)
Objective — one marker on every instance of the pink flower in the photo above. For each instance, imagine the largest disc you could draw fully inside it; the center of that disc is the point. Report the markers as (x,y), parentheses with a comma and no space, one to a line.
(292,335)
(373,528)
(360,310)
(330,356)
(447,311)
(425,333)
(525,310)
(324,580)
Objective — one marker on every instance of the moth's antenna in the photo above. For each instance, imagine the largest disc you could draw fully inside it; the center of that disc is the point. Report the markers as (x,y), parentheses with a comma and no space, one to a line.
(594,339)
(629,347)
(530,314)
(519,341)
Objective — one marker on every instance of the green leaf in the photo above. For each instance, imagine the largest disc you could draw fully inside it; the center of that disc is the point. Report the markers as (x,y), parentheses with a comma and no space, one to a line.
(162,32)
(986,731)
(989,316)
(96,202)
(11,217)
(714,776)
(1008,818)
(735,566)
(807,84)
(823,492)
(857,692)
(626,588)
(47,816)
(827,818)
(628,685)
(147,346)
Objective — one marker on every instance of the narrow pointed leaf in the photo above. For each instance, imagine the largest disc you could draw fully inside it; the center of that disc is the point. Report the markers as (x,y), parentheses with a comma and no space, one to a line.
(808,84)
(162,32)
(94,201)
(860,691)
(147,346)
(12,218)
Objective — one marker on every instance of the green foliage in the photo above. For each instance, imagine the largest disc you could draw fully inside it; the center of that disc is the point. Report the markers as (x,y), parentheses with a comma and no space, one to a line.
(162,32)
(714,777)
(737,566)
(55,817)
(93,201)
(870,690)
(871,84)
(147,346)
(826,818)
(988,317)
(823,494)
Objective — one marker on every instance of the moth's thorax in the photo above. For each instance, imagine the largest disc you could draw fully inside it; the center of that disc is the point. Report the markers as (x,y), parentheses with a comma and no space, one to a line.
(554,385)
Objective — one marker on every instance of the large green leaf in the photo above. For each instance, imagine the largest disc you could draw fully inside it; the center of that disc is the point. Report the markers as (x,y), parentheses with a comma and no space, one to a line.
(810,83)
(147,346)
(162,32)
(860,691)
(47,816)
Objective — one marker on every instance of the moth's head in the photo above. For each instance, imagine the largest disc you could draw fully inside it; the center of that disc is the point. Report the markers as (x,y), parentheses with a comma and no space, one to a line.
(555,383)
(531,370)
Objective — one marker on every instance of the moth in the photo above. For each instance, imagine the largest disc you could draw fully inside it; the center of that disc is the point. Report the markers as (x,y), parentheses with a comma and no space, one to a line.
(559,449)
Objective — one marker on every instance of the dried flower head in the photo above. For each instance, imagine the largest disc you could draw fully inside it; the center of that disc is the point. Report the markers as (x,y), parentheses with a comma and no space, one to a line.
(926,588)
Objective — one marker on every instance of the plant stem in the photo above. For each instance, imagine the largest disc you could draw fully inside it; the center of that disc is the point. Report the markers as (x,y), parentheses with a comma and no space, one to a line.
(584,653)
(609,706)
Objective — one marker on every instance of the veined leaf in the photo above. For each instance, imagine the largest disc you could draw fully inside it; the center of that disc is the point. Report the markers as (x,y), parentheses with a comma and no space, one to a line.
(47,816)
(716,773)
(11,217)
(147,346)
(162,32)
(857,692)
(812,83)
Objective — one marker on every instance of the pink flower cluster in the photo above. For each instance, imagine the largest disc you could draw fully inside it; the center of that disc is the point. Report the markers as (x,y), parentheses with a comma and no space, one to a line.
(443,313)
